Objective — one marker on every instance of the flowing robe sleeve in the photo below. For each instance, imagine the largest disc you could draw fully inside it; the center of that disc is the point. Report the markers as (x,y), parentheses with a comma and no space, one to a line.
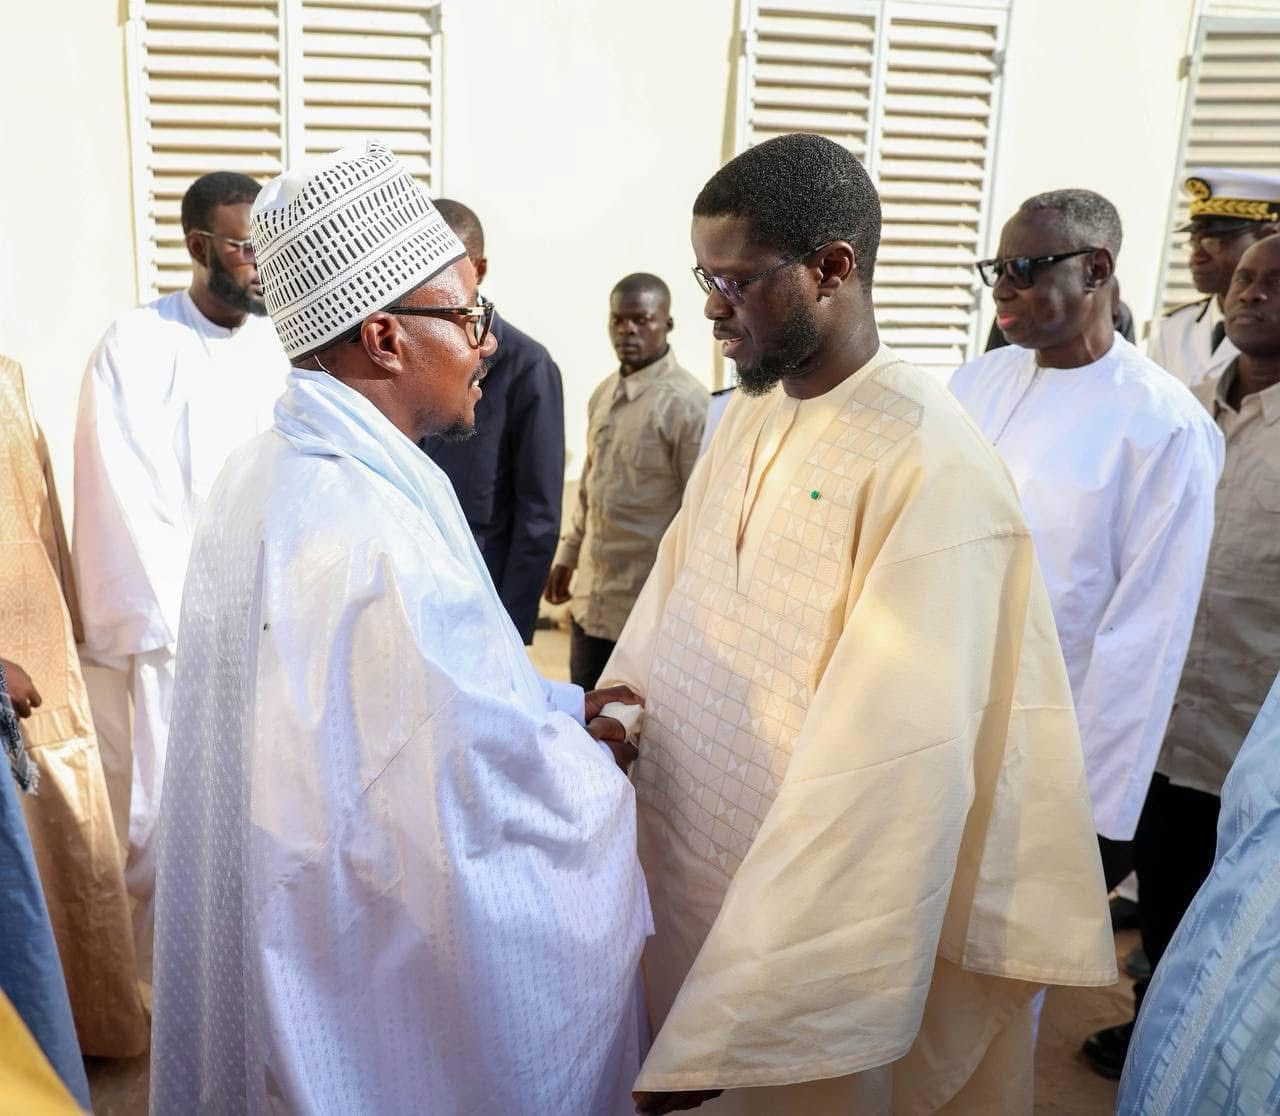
(934,807)
(442,905)
(1143,636)
(131,536)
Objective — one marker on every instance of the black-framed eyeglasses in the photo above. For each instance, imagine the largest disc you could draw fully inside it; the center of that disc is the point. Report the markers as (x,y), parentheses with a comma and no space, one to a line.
(1021,270)
(478,319)
(244,247)
(731,289)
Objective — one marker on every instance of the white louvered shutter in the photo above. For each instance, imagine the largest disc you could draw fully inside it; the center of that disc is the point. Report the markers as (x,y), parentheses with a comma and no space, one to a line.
(809,67)
(367,70)
(206,94)
(1232,119)
(933,169)
(912,89)
(253,85)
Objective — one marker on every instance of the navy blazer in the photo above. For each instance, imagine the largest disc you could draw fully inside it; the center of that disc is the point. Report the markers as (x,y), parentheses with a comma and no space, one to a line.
(510,476)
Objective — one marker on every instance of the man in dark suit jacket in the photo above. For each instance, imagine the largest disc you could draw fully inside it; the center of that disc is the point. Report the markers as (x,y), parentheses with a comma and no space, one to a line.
(509,477)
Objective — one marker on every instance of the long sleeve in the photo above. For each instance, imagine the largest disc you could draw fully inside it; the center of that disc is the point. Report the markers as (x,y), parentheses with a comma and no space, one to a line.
(684,431)
(536,433)
(131,536)
(1142,640)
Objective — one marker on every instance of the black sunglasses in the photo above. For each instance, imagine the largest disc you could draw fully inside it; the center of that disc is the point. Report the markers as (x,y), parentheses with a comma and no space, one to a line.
(1021,270)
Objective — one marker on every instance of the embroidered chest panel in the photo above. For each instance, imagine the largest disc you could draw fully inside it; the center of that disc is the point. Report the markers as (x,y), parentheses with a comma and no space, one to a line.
(735,666)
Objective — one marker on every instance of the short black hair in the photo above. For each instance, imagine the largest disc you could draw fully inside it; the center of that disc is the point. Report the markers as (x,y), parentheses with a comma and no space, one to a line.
(798,192)
(465,224)
(1088,219)
(212,190)
(641,282)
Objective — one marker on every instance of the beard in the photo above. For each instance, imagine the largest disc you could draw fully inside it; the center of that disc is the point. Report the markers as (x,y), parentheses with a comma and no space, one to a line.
(794,345)
(458,431)
(223,285)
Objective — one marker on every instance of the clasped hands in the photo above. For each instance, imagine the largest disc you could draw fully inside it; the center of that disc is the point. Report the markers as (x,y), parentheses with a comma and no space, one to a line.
(607,730)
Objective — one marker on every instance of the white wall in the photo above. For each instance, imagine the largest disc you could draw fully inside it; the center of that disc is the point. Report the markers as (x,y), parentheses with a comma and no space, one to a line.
(66,230)
(580,132)
(1092,98)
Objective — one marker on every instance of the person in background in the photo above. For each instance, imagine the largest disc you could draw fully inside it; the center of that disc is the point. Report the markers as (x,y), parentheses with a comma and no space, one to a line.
(1230,209)
(172,388)
(1115,465)
(72,833)
(1235,648)
(509,477)
(644,428)
(30,972)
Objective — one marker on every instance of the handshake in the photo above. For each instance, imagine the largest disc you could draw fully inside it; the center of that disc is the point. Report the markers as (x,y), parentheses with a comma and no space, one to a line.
(610,730)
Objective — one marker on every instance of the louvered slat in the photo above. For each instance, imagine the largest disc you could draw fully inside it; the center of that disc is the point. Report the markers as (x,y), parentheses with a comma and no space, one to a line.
(1233,121)
(210,88)
(935,144)
(811,71)
(369,70)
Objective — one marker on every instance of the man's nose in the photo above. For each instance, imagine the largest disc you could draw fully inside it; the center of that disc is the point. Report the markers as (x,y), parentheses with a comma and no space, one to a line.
(716,306)
(490,345)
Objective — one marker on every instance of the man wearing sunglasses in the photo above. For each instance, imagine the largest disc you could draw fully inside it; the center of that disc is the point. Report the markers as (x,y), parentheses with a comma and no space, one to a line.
(1229,211)
(172,388)
(1116,464)
(396,872)
(859,783)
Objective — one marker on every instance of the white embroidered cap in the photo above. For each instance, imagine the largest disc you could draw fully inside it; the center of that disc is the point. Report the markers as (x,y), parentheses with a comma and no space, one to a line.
(341,236)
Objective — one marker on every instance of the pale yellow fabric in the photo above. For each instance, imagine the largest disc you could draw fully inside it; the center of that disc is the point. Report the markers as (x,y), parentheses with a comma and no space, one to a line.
(1235,645)
(28,1083)
(643,434)
(863,813)
(70,818)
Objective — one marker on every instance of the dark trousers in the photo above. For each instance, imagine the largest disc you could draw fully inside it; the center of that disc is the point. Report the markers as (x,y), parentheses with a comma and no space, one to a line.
(587,656)
(1117,860)
(1173,854)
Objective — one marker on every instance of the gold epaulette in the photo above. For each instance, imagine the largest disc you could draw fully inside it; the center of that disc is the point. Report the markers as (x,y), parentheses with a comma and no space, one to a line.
(1187,306)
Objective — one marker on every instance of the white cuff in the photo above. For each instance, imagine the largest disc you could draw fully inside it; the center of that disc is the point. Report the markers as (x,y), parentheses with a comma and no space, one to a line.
(565,697)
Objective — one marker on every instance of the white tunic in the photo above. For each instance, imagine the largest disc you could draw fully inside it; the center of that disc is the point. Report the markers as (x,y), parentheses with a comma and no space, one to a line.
(1182,343)
(392,878)
(166,396)
(1116,464)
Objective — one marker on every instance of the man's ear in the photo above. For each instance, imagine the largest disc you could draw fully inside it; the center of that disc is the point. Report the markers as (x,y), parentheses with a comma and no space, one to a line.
(385,343)
(198,248)
(1099,267)
(837,265)
(482,268)
(671,324)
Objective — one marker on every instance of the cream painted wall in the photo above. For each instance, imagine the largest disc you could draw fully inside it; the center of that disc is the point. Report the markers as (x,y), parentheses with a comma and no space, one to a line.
(66,233)
(580,132)
(1092,98)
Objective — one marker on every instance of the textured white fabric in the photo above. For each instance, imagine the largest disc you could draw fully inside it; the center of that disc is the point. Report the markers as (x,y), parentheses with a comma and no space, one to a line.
(1182,343)
(391,880)
(166,396)
(1116,465)
(341,236)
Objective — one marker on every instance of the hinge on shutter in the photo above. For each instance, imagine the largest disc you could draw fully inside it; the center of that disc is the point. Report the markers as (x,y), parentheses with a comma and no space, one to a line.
(997,60)
(1184,67)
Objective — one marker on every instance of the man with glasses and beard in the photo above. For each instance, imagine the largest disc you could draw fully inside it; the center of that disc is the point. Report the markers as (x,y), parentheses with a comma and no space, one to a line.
(1116,464)
(1230,210)
(862,808)
(396,873)
(172,388)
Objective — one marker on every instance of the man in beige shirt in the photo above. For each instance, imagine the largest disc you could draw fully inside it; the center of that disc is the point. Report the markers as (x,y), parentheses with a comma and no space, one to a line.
(644,428)
(1235,645)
